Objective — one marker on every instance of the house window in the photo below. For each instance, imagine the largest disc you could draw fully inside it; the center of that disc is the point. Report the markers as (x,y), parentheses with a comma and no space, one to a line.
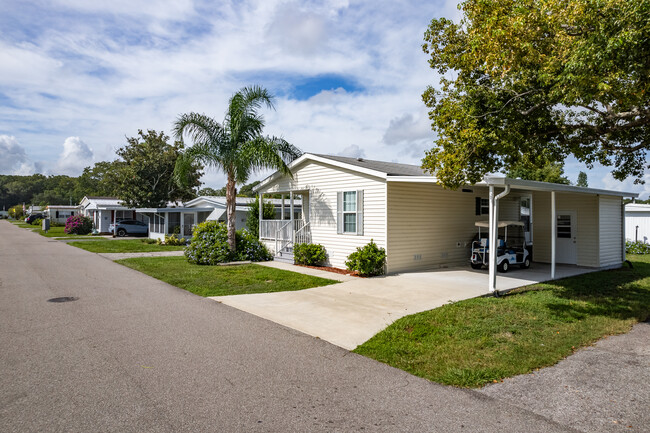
(482,206)
(350,212)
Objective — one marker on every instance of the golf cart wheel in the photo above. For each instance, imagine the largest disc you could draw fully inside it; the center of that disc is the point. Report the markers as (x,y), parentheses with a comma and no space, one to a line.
(121,233)
(526,264)
(476,265)
(504,266)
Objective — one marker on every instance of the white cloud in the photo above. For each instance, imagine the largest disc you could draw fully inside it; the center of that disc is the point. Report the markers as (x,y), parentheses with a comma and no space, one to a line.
(76,155)
(627,185)
(352,151)
(298,31)
(14,159)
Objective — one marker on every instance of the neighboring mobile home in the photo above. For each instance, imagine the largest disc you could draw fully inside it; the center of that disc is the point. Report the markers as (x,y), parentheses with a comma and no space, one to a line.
(180,220)
(104,211)
(60,213)
(349,201)
(637,222)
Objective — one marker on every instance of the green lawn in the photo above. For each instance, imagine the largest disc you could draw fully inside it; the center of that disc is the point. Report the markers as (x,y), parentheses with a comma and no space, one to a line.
(123,246)
(223,280)
(477,341)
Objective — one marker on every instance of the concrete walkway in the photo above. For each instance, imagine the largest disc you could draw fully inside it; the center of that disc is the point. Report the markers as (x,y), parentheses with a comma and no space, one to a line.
(350,313)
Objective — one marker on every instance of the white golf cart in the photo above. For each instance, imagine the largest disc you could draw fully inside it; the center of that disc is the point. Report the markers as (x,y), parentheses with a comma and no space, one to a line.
(510,251)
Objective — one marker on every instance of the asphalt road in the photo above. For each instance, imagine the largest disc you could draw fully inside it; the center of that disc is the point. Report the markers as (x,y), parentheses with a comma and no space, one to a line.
(133,354)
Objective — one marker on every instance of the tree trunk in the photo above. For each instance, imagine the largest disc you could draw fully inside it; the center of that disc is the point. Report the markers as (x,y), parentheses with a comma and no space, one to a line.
(231,194)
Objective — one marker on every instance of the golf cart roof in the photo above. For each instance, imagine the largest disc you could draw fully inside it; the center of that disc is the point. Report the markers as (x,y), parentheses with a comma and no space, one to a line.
(501,223)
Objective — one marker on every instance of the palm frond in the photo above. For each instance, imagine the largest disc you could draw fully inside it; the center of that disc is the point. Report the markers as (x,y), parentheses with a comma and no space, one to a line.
(264,153)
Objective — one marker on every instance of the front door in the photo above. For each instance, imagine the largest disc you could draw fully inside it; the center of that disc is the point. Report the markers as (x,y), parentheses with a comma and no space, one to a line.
(566,248)
(188,223)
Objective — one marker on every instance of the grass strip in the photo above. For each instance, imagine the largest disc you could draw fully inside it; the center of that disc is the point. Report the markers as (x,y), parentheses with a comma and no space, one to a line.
(223,280)
(477,341)
(123,246)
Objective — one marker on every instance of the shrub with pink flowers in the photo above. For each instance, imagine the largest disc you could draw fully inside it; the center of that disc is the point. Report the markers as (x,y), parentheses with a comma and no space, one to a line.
(78,225)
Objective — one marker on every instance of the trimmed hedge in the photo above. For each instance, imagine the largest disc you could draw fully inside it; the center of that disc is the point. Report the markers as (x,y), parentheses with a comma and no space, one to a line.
(309,254)
(209,245)
(368,260)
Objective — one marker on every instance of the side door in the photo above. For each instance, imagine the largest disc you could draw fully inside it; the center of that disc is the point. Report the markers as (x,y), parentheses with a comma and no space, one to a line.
(566,236)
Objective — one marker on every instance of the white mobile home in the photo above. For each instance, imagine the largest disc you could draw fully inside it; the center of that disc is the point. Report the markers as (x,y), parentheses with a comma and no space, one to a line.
(60,213)
(180,220)
(104,211)
(637,222)
(349,201)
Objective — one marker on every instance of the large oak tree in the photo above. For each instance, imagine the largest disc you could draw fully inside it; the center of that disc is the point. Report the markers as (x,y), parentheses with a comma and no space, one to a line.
(525,82)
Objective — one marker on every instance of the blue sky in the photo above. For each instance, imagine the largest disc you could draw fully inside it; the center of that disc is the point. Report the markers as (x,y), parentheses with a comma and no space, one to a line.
(77,76)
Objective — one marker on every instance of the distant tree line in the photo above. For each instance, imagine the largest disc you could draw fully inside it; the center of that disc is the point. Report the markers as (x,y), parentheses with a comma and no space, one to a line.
(142,176)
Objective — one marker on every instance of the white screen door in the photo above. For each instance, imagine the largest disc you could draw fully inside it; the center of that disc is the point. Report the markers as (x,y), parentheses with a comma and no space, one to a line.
(566,248)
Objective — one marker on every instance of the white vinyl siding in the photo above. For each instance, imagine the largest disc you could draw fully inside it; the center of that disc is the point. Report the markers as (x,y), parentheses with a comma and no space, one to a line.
(642,221)
(586,225)
(323,182)
(611,231)
(426,224)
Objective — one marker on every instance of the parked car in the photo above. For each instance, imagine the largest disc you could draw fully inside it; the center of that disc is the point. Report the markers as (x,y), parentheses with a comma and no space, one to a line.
(30,219)
(130,227)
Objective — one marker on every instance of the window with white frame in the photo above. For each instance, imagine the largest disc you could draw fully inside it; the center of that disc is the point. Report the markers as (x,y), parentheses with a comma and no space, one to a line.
(350,212)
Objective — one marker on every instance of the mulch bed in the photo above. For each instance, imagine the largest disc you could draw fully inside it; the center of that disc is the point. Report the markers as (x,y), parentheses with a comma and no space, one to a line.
(335,270)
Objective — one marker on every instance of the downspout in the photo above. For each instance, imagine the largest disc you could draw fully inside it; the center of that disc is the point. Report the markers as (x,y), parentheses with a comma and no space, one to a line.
(494,234)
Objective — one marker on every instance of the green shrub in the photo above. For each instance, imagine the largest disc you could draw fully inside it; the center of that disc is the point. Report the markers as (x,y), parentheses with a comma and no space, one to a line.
(171,240)
(367,261)
(637,247)
(209,245)
(309,254)
(78,225)
(37,222)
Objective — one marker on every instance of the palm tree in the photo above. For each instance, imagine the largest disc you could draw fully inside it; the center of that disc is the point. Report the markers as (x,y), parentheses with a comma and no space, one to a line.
(236,146)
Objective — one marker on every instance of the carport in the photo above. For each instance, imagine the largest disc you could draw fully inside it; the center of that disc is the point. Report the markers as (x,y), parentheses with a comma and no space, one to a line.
(351,312)
(569,225)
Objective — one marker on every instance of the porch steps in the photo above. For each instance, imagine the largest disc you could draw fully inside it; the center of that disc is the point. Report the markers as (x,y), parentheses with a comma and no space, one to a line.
(285,255)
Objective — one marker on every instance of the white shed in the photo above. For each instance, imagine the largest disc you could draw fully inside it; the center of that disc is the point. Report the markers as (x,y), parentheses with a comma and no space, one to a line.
(637,222)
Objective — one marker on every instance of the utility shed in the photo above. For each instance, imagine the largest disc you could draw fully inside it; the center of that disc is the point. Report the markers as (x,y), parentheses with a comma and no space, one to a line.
(637,222)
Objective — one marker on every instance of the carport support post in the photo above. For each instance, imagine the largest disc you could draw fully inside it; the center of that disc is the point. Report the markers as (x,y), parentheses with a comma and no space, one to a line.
(114,223)
(492,243)
(553,234)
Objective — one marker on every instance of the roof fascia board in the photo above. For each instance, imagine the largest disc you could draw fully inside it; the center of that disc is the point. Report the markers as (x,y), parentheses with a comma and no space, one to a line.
(544,186)
(412,179)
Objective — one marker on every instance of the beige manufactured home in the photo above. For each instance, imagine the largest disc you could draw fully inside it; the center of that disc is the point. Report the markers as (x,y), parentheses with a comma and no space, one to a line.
(422,226)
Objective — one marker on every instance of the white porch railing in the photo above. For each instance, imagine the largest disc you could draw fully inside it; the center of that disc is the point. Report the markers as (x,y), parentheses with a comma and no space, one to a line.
(285,232)
(269,228)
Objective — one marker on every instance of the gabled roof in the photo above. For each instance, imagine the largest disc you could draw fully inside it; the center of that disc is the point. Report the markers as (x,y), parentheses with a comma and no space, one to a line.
(396,172)
(380,169)
(387,168)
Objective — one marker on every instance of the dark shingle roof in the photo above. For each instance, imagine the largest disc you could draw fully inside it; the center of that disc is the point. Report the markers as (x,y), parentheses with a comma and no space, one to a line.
(390,168)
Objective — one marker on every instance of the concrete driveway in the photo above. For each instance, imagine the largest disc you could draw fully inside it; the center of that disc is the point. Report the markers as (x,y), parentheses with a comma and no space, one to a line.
(350,313)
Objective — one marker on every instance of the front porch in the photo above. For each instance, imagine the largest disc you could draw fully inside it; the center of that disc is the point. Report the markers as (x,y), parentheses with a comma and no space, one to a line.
(292,227)
(173,221)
